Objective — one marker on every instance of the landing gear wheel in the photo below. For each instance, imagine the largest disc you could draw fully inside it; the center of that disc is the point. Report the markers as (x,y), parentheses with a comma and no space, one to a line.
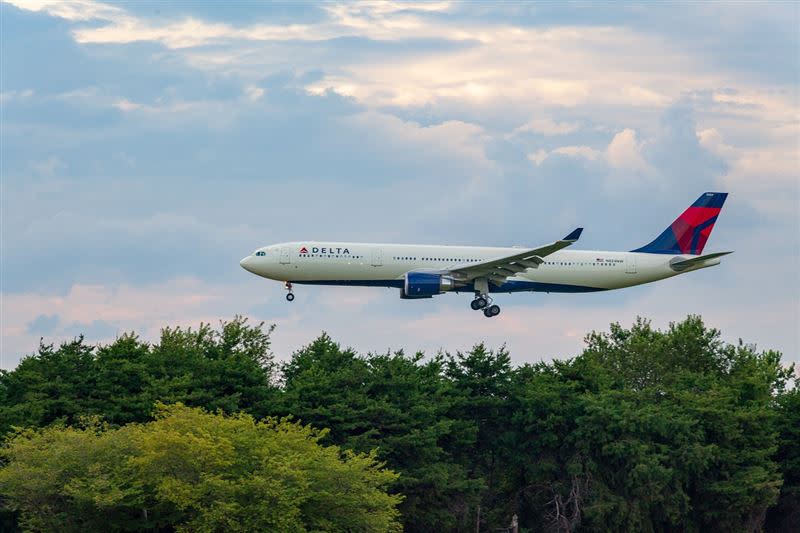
(494,310)
(487,312)
(290,296)
(478,303)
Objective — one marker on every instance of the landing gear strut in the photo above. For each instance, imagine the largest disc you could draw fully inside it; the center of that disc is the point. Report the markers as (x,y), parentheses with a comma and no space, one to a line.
(290,294)
(483,300)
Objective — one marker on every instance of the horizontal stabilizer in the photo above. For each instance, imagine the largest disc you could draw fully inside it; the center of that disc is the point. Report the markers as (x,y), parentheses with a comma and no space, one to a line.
(680,265)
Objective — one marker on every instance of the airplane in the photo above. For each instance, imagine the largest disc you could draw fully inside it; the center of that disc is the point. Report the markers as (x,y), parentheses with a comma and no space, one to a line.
(424,271)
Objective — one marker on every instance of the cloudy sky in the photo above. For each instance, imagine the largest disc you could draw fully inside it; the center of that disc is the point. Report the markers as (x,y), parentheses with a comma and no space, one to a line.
(147,147)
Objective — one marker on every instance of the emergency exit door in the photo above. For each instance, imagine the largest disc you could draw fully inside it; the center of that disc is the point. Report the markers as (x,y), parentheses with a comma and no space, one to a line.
(377,257)
(630,264)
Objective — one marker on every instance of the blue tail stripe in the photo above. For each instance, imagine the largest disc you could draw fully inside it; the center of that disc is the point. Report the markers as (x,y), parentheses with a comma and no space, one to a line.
(711,199)
(666,243)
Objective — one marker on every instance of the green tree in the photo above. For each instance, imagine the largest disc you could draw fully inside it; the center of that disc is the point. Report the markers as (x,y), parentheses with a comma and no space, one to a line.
(397,405)
(546,478)
(231,368)
(682,431)
(121,382)
(193,471)
(785,516)
(646,429)
(52,384)
(481,381)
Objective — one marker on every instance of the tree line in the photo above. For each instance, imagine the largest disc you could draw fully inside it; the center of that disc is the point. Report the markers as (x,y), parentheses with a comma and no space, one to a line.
(646,430)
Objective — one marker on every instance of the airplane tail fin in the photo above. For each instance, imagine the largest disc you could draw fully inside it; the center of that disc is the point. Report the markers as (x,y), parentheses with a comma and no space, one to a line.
(690,231)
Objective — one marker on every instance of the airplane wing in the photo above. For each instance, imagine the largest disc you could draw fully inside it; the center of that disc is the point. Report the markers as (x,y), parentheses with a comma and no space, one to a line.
(502,268)
(684,264)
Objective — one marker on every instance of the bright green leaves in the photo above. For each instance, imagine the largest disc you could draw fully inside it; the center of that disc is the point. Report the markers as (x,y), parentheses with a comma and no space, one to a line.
(194,471)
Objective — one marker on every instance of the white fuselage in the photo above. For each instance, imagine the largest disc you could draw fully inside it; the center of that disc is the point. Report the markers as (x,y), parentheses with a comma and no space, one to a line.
(340,263)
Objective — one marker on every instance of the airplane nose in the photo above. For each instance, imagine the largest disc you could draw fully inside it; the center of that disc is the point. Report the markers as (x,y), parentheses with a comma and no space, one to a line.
(246,263)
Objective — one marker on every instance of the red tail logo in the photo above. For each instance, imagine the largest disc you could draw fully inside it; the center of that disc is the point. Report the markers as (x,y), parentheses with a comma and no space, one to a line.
(690,231)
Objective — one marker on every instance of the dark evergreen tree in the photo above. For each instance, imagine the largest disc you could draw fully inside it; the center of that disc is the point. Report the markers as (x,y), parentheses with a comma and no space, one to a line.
(397,405)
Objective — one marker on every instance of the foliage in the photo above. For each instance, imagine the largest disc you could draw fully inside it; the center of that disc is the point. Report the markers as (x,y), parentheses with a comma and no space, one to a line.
(231,369)
(684,427)
(785,516)
(646,429)
(394,403)
(194,471)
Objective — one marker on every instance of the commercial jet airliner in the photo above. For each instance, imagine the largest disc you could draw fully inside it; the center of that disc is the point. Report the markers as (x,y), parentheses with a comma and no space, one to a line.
(424,271)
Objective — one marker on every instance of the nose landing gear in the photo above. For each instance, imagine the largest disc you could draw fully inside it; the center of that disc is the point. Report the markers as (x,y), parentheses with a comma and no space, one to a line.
(290,294)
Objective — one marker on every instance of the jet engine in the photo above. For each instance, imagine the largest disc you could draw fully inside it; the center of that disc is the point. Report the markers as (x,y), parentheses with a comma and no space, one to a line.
(425,285)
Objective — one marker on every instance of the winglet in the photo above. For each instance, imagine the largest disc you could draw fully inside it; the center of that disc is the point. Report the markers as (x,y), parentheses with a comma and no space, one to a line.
(574,236)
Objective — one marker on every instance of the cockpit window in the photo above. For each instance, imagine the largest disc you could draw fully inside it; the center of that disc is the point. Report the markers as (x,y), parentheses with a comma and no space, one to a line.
(260,253)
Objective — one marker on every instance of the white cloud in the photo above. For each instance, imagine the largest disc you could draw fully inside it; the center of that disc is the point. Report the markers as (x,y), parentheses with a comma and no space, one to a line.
(766,174)
(8,96)
(539,156)
(48,167)
(576,151)
(126,105)
(625,152)
(547,126)
(253,93)
(499,63)
(146,309)
(461,141)
(72,10)
(586,152)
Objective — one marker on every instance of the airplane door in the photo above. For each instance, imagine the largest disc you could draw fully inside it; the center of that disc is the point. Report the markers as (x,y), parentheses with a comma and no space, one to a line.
(630,264)
(285,258)
(377,257)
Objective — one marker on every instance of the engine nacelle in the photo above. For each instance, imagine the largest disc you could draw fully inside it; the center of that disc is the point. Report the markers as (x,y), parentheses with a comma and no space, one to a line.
(425,285)
(404,296)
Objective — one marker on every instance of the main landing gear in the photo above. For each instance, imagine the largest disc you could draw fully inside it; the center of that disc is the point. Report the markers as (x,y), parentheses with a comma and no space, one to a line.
(290,294)
(483,301)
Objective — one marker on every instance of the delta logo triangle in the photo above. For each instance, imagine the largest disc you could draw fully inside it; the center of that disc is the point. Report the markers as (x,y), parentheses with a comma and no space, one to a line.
(303,250)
